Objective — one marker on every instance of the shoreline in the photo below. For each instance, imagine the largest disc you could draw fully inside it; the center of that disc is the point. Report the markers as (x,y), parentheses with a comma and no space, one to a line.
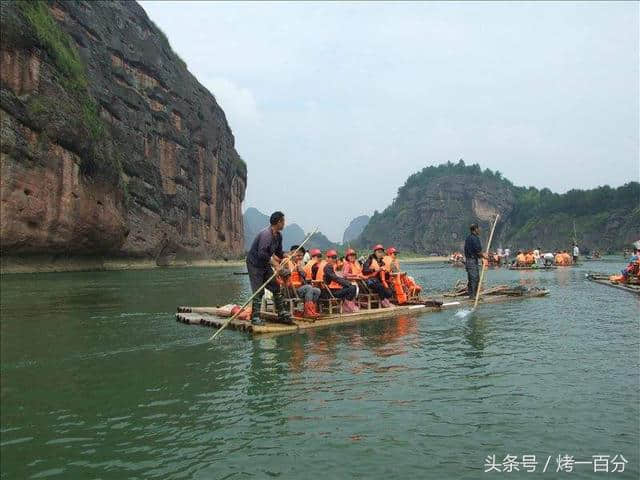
(422,259)
(50,264)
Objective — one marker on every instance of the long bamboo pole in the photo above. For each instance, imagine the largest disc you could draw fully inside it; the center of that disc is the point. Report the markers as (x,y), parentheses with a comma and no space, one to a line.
(275,272)
(475,304)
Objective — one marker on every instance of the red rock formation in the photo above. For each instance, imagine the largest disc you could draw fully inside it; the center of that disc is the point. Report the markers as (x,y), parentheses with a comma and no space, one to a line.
(153,174)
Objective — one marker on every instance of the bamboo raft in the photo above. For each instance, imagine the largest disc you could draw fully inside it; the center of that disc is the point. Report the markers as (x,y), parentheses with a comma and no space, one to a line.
(604,280)
(210,316)
(550,267)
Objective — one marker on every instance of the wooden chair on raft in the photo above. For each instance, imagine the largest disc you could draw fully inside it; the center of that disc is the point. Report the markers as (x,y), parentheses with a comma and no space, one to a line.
(367,299)
(292,301)
(331,305)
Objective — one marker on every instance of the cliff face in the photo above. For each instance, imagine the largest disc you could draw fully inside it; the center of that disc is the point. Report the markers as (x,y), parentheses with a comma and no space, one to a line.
(435,217)
(110,147)
(355,228)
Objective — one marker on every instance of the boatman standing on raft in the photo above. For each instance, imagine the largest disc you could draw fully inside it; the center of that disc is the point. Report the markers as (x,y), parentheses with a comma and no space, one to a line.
(263,258)
(473,252)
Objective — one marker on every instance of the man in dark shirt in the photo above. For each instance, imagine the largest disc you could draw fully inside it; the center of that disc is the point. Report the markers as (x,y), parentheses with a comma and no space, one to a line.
(264,256)
(472,252)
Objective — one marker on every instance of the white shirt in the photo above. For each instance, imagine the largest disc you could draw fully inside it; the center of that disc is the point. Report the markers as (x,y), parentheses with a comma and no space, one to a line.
(536,254)
(576,252)
(549,256)
(507,252)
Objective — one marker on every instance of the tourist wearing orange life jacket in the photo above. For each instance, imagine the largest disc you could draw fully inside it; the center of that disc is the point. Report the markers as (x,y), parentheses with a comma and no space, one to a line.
(390,261)
(529,259)
(562,259)
(294,276)
(311,266)
(396,279)
(337,286)
(376,275)
(407,281)
(521,260)
(351,269)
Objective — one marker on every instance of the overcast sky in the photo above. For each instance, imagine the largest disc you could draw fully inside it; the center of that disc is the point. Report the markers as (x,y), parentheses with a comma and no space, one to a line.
(333,105)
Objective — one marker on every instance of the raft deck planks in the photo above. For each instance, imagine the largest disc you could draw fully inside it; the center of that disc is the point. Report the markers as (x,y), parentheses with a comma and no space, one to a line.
(206,316)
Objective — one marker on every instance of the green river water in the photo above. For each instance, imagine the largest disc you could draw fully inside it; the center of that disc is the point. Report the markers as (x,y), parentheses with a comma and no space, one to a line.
(98,380)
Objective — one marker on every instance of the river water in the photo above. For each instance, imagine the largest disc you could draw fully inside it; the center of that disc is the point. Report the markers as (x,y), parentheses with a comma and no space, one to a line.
(100,381)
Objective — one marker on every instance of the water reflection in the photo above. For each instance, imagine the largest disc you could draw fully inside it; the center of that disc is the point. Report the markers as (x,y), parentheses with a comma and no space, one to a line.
(475,332)
(104,383)
(317,350)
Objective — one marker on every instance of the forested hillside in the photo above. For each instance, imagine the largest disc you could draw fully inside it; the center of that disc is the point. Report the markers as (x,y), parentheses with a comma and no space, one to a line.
(434,207)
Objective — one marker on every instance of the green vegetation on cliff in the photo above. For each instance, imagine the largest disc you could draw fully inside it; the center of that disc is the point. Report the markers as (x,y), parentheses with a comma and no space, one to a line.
(434,207)
(45,33)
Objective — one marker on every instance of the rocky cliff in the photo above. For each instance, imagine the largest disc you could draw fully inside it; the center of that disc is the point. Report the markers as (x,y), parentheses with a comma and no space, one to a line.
(434,216)
(110,147)
(354,229)
(434,208)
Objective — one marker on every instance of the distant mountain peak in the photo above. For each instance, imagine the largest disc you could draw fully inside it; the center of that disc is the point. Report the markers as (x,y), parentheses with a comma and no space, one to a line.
(355,228)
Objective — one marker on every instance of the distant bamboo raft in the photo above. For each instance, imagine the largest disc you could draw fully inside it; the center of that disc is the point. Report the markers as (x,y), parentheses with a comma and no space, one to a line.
(212,316)
(547,267)
(603,279)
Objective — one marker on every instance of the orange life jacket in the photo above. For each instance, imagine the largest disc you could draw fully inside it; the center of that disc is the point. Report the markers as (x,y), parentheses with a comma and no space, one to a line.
(411,284)
(521,259)
(307,268)
(294,280)
(320,273)
(390,263)
(352,268)
(376,270)
(401,295)
(320,276)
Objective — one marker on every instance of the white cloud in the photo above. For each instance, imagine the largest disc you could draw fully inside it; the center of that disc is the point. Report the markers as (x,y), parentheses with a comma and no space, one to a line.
(239,103)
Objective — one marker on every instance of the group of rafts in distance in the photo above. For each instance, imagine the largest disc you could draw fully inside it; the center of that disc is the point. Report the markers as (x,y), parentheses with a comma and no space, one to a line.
(525,259)
(327,290)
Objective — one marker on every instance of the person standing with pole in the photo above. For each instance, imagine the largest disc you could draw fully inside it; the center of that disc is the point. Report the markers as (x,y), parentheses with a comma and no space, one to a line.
(473,252)
(265,256)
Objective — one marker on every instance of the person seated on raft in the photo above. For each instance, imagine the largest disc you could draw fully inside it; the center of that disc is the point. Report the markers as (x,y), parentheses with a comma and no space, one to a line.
(311,267)
(548,259)
(402,283)
(390,261)
(351,270)
(537,257)
(375,273)
(630,273)
(456,257)
(334,285)
(562,258)
(529,258)
(521,260)
(293,276)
